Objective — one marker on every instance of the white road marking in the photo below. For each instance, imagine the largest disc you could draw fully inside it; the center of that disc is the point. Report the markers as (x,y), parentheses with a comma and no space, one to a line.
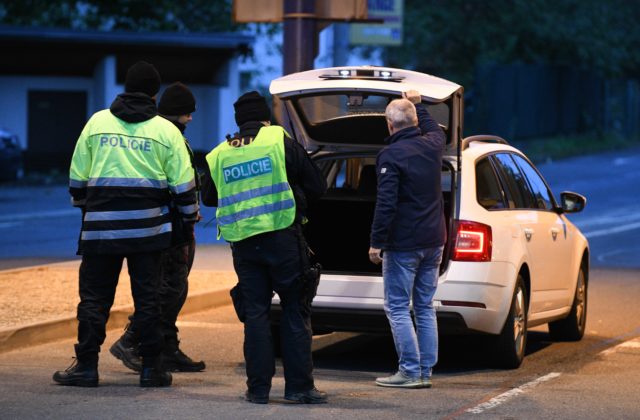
(618,229)
(39,215)
(620,216)
(506,396)
(629,344)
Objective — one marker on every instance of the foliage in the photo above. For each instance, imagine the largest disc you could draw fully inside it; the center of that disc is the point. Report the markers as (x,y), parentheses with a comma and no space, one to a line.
(133,15)
(452,37)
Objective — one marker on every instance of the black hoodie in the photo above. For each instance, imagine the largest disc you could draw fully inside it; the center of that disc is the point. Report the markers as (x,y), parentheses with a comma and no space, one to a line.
(134,107)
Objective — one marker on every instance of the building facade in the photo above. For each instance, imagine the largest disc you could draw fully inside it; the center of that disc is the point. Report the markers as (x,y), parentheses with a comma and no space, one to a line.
(53,80)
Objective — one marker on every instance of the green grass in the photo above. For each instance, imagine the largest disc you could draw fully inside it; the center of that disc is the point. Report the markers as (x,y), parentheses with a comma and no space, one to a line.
(560,147)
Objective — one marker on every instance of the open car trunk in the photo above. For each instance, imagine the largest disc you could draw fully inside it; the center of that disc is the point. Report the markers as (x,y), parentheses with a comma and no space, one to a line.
(338,115)
(339,225)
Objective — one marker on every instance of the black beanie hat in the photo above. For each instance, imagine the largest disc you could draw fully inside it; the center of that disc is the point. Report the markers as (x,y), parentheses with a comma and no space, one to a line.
(251,107)
(142,77)
(177,99)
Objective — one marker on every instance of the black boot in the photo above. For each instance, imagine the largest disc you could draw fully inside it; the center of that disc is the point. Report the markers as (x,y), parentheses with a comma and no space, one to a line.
(80,373)
(312,396)
(126,350)
(154,375)
(174,360)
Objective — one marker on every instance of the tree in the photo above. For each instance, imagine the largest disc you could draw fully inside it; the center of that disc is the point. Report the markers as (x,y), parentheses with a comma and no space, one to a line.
(132,15)
(452,37)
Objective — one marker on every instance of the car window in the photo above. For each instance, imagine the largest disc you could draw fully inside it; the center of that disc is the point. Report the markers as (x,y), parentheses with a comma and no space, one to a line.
(318,109)
(350,176)
(537,184)
(518,192)
(488,190)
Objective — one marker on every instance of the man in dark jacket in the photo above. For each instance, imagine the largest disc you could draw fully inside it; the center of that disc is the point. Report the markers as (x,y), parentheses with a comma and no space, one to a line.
(264,228)
(409,227)
(176,105)
(128,166)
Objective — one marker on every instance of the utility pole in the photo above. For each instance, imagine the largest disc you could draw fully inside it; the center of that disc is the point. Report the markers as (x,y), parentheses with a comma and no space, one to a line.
(303,19)
(300,41)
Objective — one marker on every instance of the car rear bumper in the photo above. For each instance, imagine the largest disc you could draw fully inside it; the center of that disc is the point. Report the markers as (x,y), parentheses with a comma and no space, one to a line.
(471,298)
(326,320)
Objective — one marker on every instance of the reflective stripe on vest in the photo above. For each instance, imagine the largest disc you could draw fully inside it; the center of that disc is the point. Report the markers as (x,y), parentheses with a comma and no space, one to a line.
(93,235)
(254,195)
(94,216)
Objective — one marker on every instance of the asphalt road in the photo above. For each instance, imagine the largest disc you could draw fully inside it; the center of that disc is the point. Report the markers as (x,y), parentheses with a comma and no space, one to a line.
(595,378)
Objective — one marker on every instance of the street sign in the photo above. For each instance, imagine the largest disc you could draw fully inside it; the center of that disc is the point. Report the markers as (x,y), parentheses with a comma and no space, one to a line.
(387,33)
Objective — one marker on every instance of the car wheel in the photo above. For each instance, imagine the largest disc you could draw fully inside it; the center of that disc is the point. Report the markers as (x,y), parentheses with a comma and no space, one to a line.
(572,327)
(512,341)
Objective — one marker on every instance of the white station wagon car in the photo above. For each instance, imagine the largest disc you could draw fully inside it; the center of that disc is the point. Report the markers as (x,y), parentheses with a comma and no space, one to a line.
(512,260)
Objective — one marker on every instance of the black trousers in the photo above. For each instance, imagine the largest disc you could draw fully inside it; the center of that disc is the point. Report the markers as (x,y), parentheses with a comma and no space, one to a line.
(176,266)
(98,280)
(176,263)
(265,263)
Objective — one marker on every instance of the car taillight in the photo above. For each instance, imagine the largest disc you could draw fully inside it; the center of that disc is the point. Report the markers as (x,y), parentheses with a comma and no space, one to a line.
(473,242)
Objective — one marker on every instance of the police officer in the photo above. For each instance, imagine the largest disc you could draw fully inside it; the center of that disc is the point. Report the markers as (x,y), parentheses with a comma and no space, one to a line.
(127,166)
(260,181)
(176,105)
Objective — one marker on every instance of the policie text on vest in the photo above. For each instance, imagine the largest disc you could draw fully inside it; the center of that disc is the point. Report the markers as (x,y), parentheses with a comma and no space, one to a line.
(247,169)
(143,145)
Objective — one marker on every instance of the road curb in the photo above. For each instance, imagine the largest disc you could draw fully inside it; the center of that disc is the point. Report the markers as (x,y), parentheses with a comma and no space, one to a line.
(67,327)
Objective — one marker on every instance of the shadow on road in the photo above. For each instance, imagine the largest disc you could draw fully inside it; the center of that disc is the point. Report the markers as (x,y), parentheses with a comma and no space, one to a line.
(367,353)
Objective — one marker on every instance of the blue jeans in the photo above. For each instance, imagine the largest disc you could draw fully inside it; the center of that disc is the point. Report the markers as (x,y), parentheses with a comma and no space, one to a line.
(412,274)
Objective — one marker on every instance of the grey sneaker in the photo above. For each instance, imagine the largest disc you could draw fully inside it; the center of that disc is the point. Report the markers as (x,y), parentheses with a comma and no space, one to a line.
(400,380)
(426,382)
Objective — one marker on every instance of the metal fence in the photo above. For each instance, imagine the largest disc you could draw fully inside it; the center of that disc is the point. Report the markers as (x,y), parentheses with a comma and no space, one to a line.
(523,101)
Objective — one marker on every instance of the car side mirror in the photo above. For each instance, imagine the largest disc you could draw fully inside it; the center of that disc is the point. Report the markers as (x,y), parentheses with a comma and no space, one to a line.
(572,202)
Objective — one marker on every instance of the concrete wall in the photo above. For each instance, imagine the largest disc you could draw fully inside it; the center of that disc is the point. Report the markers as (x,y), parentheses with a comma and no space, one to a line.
(14,92)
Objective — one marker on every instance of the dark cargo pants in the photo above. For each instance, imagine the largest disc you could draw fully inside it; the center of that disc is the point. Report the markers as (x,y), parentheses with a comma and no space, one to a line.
(265,263)
(98,280)
(176,263)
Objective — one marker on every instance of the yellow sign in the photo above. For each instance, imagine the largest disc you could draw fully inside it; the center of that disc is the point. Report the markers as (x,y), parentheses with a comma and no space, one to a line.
(245,11)
(387,33)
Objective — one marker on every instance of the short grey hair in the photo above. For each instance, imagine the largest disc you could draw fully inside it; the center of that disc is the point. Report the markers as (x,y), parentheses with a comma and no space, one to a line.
(401,113)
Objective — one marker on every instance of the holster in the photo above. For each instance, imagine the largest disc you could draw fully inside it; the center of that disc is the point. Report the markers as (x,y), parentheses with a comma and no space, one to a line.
(311,272)
(311,280)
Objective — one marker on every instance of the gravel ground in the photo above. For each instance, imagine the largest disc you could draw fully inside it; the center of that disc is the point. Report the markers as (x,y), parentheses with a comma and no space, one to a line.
(49,292)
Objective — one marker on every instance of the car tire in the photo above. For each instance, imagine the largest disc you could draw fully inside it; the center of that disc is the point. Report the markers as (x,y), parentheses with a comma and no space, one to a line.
(573,326)
(511,343)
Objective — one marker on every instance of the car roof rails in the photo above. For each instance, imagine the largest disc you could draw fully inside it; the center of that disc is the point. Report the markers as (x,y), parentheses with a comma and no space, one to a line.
(484,138)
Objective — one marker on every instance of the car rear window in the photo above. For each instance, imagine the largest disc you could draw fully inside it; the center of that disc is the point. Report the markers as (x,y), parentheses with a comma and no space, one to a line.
(488,190)
(319,109)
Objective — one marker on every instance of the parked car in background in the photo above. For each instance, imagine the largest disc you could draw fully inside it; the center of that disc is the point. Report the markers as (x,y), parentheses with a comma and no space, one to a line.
(11,167)
(513,260)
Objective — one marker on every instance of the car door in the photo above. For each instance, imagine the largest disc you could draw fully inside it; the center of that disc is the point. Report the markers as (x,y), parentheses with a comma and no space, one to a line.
(552,237)
(527,225)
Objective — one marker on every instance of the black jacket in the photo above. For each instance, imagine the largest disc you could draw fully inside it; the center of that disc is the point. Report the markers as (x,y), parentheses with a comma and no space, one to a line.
(183,232)
(409,210)
(306,180)
(107,227)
